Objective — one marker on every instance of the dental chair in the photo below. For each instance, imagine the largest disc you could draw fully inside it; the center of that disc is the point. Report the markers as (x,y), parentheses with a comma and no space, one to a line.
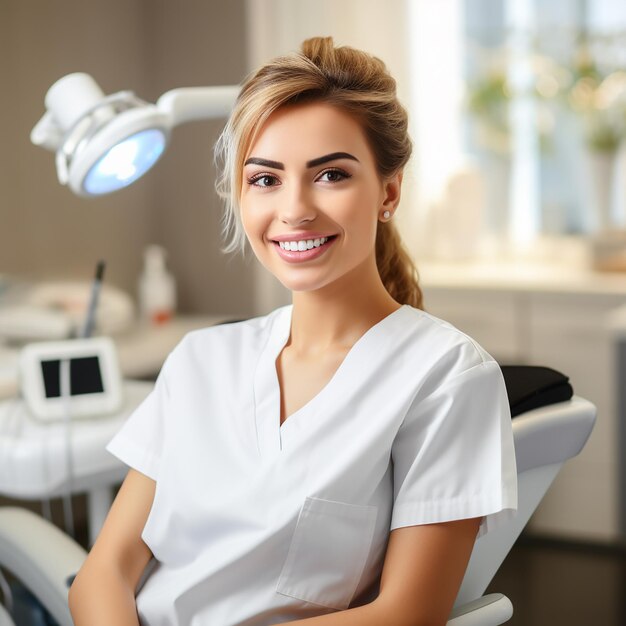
(44,559)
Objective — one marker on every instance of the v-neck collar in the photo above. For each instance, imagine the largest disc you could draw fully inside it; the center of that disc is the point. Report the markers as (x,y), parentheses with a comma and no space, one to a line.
(270,432)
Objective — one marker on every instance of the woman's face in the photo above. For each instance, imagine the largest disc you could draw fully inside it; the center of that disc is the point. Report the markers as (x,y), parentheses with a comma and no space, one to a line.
(311,196)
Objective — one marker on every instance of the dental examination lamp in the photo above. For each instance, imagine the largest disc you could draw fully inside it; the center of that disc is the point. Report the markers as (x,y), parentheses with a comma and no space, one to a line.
(104,143)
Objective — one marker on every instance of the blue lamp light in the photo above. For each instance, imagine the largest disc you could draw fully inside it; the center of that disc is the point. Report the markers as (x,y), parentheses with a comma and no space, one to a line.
(125,162)
(105,143)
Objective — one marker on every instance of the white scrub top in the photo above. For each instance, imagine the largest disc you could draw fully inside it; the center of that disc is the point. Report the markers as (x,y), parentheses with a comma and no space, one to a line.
(257,523)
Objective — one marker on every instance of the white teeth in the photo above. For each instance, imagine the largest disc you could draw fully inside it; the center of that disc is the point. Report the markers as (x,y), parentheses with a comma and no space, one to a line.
(303,244)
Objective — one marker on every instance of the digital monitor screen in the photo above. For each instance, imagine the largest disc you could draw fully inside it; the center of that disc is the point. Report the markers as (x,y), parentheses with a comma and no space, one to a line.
(85,376)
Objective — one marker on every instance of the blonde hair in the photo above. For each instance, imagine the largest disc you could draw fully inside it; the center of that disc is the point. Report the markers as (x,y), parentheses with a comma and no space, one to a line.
(352,80)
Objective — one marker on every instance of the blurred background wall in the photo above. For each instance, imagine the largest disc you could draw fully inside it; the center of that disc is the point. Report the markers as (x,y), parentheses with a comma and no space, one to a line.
(149,47)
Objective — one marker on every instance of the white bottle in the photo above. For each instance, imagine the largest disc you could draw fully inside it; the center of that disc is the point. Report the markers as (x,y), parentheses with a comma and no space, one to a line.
(157,288)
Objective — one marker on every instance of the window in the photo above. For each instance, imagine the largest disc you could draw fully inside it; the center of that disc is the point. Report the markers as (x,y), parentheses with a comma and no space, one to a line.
(545,113)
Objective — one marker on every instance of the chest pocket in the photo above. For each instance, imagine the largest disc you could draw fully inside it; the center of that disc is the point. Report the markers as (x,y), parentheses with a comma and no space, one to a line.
(328,551)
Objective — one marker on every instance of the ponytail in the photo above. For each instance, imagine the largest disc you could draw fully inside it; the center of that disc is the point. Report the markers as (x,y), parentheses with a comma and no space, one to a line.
(396,268)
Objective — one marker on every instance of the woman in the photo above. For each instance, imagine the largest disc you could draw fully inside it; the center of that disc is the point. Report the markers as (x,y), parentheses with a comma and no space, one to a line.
(332,462)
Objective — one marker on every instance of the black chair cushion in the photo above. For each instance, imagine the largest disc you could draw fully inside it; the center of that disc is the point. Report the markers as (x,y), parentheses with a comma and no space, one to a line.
(532,386)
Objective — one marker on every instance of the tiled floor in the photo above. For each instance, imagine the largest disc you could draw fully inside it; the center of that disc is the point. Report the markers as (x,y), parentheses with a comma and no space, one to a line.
(552,584)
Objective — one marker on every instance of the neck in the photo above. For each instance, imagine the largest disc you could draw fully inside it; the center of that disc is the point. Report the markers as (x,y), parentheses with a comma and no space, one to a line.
(338,314)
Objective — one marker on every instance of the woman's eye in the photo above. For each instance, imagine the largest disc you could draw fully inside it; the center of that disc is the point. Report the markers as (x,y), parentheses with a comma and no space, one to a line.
(263,180)
(333,176)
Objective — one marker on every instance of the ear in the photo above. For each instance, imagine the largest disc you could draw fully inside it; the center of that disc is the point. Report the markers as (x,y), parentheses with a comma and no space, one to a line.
(391,192)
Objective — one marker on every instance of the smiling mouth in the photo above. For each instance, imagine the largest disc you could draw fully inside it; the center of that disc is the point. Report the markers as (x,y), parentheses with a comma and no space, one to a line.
(304,244)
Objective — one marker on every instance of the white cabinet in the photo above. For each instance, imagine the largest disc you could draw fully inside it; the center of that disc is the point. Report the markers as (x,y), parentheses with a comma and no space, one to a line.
(568,330)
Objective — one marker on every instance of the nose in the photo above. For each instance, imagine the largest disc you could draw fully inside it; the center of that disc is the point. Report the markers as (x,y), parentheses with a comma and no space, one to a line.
(298,206)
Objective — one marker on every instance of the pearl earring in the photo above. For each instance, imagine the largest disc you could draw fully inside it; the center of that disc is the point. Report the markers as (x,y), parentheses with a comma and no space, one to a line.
(386,215)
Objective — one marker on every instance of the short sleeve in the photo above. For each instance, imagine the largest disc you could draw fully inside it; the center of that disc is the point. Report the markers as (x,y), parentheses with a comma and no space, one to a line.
(454,457)
(139,442)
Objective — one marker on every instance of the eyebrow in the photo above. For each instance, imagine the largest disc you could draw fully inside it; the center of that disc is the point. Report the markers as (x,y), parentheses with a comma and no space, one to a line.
(277,165)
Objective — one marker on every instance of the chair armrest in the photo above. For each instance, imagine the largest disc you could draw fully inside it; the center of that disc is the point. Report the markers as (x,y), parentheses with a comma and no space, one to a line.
(552,434)
(490,610)
(41,556)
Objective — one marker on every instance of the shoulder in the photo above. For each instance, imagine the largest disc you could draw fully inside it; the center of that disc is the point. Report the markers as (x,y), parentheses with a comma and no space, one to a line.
(240,338)
(244,329)
(443,349)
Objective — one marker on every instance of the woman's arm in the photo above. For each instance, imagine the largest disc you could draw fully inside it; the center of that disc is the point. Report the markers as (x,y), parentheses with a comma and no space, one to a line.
(423,570)
(103,592)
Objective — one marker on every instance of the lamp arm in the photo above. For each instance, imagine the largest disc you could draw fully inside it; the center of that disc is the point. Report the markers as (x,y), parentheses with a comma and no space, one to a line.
(197,103)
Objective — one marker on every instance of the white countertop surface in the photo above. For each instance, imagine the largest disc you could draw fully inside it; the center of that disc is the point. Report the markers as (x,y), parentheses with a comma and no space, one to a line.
(522,276)
(33,454)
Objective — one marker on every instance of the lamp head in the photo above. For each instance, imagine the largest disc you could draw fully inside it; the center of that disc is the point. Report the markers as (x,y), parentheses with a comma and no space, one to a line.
(102,143)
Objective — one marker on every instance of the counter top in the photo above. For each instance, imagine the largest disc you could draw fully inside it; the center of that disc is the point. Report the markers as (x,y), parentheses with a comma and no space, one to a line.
(520,276)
